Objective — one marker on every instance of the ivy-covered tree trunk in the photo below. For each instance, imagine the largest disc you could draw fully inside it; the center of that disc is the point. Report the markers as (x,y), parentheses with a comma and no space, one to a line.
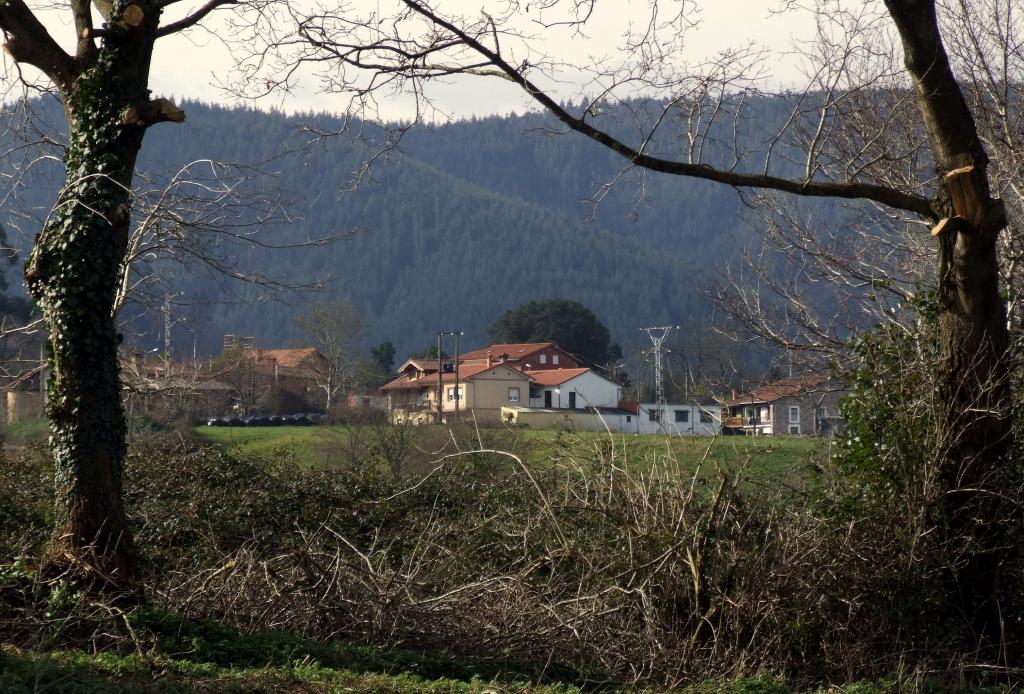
(73,275)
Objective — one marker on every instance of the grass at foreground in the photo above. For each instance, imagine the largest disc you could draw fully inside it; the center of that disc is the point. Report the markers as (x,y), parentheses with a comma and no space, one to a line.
(78,672)
(184,656)
(780,458)
(202,656)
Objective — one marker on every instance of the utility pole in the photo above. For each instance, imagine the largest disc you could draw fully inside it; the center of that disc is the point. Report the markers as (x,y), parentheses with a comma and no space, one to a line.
(458,393)
(440,379)
(658,336)
(168,324)
(440,371)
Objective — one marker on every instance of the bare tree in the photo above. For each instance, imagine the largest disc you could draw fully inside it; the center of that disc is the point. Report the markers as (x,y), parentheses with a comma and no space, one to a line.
(74,269)
(883,120)
(334,328)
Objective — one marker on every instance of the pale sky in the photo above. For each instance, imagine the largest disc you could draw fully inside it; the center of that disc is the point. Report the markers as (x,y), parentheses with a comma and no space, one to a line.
(192,65)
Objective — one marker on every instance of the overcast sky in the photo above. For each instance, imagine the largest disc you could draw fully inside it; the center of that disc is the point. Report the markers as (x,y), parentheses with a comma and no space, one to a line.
(193,65)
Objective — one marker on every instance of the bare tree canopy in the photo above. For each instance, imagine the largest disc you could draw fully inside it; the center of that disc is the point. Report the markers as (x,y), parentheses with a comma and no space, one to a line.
(882,119)
(335,328)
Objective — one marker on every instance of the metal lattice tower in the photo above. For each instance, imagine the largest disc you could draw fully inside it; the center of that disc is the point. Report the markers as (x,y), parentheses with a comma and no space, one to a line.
(658,336)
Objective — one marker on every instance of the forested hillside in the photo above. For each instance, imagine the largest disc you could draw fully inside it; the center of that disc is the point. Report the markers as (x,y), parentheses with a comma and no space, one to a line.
(457,225)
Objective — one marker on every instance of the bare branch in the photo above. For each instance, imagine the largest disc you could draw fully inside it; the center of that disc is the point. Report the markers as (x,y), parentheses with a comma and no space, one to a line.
(28,41)
(194,18)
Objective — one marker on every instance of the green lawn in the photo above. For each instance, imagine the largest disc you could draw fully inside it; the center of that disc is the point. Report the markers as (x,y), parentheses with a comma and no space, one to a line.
(301,442)
(28,431)
(777,459)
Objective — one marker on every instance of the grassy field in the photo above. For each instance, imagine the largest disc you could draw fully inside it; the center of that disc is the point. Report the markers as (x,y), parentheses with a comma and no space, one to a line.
(778,459)
(28,431)
(304,444)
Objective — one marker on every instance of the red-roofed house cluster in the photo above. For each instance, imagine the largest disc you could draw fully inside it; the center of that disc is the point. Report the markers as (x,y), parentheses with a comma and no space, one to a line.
(511,377)
(542,386)
(531,384)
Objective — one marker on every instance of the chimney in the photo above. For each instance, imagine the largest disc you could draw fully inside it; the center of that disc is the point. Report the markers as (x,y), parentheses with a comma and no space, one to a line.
(490,360)
(733,394)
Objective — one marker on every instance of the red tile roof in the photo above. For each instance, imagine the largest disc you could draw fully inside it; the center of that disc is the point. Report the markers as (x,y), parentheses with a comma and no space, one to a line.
(466,372)
(515,351)
(284,357)
(779,389)
(554,377)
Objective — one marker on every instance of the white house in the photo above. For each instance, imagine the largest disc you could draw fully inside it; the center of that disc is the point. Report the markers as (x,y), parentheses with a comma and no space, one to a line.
(571,389)
(693,419)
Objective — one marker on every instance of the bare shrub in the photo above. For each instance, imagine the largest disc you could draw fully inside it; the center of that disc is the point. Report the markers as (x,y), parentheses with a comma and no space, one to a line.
(652,576)
(637,570)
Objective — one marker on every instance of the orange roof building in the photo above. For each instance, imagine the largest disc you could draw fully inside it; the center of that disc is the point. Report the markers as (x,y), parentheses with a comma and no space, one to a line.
(527,356)
(801,406)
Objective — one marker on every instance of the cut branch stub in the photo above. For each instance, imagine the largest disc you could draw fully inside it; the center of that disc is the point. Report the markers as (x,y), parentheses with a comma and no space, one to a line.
(967,192)
(155,111)
(947,224)
(133,16)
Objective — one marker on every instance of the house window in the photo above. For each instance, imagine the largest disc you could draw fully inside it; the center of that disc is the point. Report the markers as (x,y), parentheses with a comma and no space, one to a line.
(629,418)
(554,359)
(794,415)
(794,429)
(653,415)
(682,416)
(543,359)
(821,413)
(705,417)
(513,394)
(454,394)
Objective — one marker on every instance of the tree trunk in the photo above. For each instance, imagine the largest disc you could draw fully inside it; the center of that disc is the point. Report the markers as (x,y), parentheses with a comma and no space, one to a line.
(974,438)
(73,275)
(973,388)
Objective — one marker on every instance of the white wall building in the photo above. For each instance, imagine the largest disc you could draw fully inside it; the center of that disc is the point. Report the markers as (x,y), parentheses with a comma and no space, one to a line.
(572,389)
(693,419)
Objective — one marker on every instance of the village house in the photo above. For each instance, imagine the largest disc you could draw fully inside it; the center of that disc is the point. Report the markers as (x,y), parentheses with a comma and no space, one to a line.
(525,356)
(802,406)
(571,389)
(482,389)
(281,381)
(24,397)
(678,419)
(503,381)
(164,390)
(574,398)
